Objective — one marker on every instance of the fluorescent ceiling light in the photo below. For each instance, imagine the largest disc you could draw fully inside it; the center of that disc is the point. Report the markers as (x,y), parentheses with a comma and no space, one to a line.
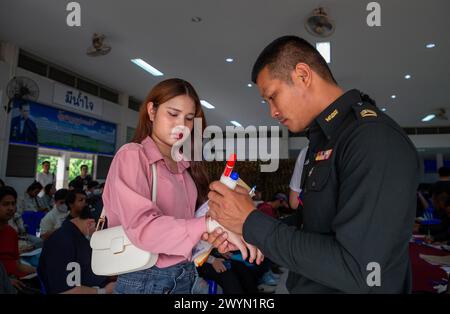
(429,118)
(394,96)
(430,45)
(325,50)
(229,60)
(383,109)
(235,123)
(147,67)
(206,104)
(249,85)
(407,76)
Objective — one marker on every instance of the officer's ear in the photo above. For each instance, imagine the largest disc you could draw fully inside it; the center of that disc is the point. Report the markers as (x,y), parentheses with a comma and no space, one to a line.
(302,75)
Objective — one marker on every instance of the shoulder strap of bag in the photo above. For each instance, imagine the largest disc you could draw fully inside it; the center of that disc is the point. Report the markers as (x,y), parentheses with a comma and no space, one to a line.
(101,220)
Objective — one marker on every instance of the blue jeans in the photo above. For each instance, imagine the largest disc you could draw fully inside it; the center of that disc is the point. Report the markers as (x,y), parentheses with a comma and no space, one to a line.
(176,279)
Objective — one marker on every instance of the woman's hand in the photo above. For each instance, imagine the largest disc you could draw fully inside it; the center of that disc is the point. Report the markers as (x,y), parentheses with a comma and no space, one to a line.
(221,238)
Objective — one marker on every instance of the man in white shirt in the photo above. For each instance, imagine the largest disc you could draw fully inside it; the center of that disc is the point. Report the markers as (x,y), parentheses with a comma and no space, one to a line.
(54,219)
(45,177)
(296,179)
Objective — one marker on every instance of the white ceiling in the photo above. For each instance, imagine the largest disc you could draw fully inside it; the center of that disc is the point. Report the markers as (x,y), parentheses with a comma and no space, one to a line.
(374,60)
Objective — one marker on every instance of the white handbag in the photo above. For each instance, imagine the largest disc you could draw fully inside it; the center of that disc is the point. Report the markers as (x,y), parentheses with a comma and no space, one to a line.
(112,251)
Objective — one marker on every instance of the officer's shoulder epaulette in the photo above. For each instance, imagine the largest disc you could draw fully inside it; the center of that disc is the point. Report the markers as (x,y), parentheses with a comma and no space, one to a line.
(366,111)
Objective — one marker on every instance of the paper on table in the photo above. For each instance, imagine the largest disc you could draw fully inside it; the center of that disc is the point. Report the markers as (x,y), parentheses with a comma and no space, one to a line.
(436,260)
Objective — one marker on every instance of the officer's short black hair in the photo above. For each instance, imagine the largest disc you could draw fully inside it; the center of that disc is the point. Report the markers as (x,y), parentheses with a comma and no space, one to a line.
(61,194)
(284,53)
(72,196)
(444,172)
(84,166)
(2,184)
(46,162)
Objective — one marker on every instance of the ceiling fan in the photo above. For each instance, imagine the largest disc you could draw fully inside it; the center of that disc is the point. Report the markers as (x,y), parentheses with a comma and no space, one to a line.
(319,24)
(98,48)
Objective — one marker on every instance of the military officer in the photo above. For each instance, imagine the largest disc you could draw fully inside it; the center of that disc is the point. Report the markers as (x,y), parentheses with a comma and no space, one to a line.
(359,182)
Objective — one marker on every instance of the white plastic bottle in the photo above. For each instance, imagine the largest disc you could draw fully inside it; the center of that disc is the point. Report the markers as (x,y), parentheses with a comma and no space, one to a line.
(230,181)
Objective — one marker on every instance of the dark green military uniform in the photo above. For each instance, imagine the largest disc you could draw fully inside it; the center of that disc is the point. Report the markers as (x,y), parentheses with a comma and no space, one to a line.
(359,183)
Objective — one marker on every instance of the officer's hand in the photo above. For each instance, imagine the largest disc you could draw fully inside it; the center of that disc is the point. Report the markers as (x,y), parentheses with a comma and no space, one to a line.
(230,208)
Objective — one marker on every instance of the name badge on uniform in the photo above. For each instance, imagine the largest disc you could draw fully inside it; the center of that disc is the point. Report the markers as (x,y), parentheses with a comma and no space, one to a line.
(323,155)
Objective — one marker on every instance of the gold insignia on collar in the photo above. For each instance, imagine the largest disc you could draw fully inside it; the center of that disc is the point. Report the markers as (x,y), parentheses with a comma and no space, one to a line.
(368,113)
(332,115)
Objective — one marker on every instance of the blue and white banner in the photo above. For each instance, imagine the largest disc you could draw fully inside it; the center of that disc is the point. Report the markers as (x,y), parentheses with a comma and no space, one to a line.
(40,125)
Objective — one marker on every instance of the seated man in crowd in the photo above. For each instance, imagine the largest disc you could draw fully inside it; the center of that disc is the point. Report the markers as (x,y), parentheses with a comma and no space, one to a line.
(46,200)
(54,219)
(443,185)
(75,185)
(30,201)
(442,232)
(94,198)
(9,244)
(66,259)
(75,201)
(271,208)
(233,276)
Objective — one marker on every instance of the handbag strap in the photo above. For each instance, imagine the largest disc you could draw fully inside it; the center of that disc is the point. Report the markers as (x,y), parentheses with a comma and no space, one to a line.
(101,220)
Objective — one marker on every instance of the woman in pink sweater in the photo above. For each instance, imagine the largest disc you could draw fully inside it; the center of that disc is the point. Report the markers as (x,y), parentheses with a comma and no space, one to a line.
(167,227)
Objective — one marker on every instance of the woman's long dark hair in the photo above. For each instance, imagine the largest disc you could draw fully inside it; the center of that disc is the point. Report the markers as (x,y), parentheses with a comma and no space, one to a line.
(162,92)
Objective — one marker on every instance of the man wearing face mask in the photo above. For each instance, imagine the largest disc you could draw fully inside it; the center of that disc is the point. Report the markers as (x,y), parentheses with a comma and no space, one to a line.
(54,219)
(65,262)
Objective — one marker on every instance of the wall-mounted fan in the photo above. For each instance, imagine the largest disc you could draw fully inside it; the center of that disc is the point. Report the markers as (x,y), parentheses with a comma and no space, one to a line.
(98,48)
(21,87)
(319,24)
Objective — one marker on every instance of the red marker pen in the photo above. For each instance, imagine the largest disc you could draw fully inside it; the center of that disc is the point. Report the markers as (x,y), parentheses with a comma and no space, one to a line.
(230,165)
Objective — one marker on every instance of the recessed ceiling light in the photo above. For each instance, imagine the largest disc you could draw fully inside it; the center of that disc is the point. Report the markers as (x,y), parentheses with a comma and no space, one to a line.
(196,19)
(235,123)
(249,85)
(430,45)
(263,101)
(383,109)
(429,117)
(393,96)
(324,49)
(147,67)
(407,76)
(229,60)
(206,104)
